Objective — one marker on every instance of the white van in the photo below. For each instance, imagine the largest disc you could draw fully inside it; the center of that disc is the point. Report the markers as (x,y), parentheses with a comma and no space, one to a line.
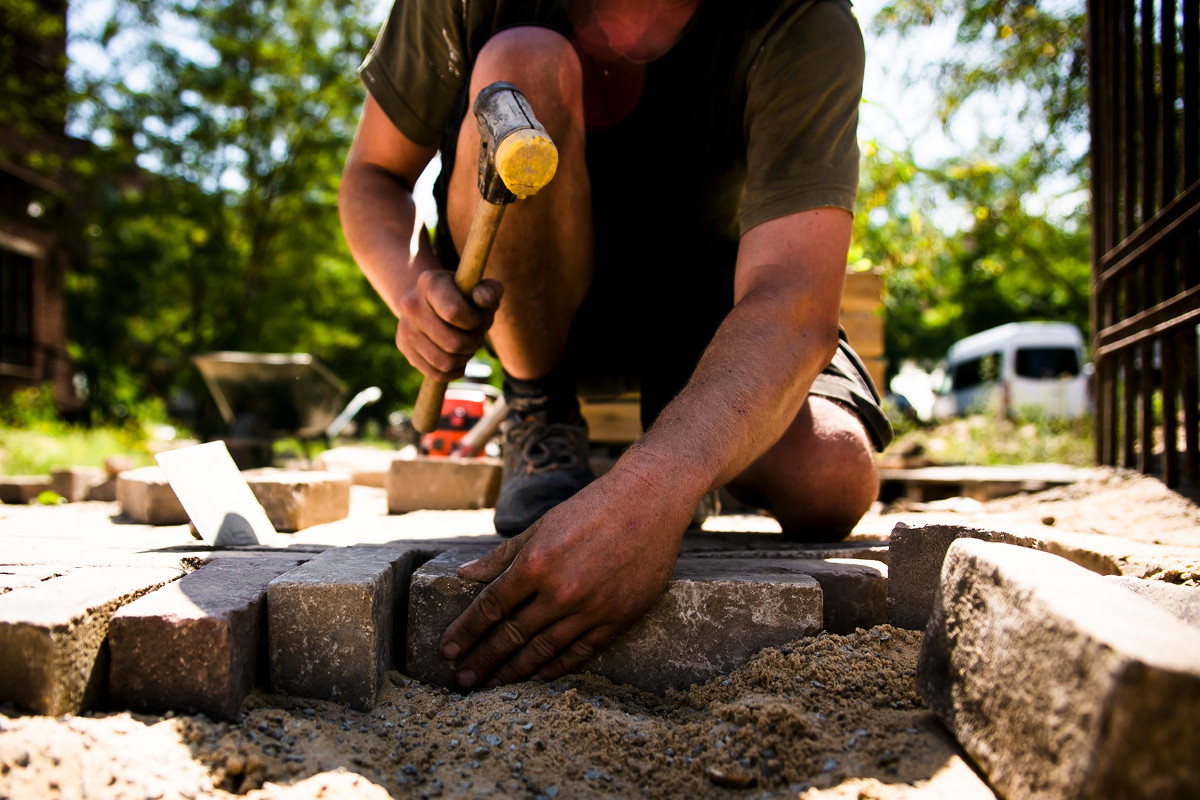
(1031,367)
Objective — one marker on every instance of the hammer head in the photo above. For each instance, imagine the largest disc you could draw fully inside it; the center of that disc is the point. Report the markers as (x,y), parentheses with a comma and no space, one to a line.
(516,155)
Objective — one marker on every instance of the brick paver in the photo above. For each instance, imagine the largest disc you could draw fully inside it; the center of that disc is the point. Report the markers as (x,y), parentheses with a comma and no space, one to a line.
(1058,683)
(713,616)
(195,644)
(334,622)
(52,655)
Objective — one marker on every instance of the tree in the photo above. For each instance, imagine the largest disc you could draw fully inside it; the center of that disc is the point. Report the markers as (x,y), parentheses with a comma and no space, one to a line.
(224,127)
(969,241)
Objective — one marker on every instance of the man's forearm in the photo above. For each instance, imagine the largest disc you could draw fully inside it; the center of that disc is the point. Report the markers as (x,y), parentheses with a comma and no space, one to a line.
(746,390)
(379,219)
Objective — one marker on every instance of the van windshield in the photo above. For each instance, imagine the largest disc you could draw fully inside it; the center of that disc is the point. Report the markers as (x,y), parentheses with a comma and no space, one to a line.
(1047,362)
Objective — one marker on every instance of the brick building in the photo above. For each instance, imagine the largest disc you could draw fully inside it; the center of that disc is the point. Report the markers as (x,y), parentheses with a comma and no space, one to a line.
(39,229)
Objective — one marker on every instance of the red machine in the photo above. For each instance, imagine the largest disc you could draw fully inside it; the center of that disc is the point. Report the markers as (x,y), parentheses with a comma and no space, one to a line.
(465,405)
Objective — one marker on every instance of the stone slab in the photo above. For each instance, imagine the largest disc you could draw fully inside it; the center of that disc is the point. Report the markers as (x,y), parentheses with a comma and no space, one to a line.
(22,489)
(854,590)
(52,655)
(365,466)
(295,499)
(336,623)
(442,483)
(146,496)
(1057,683)
(711,619)
(1182,602)
(916,554)
(76,484)
(197,644)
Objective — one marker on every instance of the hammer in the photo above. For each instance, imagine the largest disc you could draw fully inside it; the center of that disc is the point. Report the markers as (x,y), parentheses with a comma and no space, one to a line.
(516,159)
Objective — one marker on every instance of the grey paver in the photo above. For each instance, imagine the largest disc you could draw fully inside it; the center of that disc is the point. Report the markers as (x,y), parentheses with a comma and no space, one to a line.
(1057,683)
(195,644)
(52,658)
(22,489)
(1180,601)
(335,622)
(712,618)
(442,483)
(146,496)
(78,483)
(295,500)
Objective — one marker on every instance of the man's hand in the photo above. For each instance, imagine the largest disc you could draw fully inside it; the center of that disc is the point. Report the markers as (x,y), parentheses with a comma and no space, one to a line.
(564,589)
(439,328)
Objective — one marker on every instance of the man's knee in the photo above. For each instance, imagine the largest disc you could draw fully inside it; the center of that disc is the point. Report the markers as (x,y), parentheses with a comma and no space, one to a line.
(820,478)
(541,62)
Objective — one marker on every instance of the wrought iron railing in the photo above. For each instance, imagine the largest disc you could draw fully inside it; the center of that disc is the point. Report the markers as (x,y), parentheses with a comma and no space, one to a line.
(1144,63)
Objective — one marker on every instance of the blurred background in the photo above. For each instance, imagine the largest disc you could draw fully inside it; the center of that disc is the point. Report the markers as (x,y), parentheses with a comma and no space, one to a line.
(169,170)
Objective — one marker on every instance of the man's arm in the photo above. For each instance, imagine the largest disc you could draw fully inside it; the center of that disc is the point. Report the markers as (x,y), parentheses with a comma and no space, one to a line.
(438,329)
(566,587)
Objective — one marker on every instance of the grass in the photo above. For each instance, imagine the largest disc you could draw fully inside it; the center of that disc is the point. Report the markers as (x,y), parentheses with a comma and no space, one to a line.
(39,450)
(988,439)
(34,440)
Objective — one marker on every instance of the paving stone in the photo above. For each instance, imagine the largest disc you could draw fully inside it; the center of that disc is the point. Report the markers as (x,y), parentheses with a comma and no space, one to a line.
(1180,601)
(52,655)
(22,489)
(77,483)
(854,590)
(442,483)
(366,466)
(146,496)
(197,644)
(711,619)
(295,499)
(1057,683)
(336,623)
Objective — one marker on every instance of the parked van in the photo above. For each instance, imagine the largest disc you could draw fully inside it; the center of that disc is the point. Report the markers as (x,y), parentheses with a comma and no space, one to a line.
(1036,367)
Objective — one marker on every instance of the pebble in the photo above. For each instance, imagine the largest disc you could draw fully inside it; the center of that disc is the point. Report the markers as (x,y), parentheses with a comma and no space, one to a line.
(734,779)
(493,739)
(830,765)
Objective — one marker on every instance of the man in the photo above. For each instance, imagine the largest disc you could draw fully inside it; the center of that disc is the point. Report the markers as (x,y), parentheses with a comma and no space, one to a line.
(693,242)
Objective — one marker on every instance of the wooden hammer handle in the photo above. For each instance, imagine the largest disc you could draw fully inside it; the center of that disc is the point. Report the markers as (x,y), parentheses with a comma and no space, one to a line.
(484,224)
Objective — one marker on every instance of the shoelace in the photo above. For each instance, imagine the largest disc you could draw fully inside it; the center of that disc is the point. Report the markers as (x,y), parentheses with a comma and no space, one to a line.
(544,445)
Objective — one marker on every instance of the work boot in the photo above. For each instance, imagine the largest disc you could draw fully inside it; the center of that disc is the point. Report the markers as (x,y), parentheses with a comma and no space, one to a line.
(545,463)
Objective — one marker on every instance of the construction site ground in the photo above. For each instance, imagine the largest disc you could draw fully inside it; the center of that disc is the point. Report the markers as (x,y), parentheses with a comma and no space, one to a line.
(828,716)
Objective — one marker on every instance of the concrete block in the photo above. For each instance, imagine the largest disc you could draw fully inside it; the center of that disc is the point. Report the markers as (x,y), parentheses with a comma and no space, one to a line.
(195,644)
(295,500)
(52,655)
(22,489)
(365,466)
(1179,601)
(442,483)
(712,618)
(76,483)
(1057,683)
(335,623)
(915,565)
(146,496)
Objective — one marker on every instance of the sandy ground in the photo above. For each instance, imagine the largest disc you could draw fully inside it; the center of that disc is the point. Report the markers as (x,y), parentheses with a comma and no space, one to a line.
(827,717)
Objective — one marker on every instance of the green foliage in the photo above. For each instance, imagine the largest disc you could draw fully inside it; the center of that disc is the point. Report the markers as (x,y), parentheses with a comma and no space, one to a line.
(34,439)
(971,241)
(239,116)
(990,439)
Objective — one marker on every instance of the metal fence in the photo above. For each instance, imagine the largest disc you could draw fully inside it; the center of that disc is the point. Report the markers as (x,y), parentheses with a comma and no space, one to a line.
(1145,117)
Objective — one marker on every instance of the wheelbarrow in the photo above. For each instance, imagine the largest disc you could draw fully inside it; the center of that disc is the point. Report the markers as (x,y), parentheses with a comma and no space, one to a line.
(265,397)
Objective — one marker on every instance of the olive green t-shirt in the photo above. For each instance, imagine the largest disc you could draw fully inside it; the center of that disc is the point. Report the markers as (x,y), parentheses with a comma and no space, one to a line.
(750,116)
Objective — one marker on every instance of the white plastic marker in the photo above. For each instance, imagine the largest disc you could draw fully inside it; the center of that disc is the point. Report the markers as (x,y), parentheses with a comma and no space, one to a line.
(215,495)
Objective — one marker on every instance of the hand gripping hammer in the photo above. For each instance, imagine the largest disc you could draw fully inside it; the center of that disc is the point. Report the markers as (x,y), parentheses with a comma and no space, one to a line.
(516,159)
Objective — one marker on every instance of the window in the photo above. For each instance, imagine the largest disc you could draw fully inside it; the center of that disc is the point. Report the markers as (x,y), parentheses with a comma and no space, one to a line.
(985,369)
(16,309)
(1047,362)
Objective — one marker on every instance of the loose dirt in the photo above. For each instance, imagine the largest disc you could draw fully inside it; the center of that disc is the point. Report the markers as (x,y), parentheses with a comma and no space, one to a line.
(826,717)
